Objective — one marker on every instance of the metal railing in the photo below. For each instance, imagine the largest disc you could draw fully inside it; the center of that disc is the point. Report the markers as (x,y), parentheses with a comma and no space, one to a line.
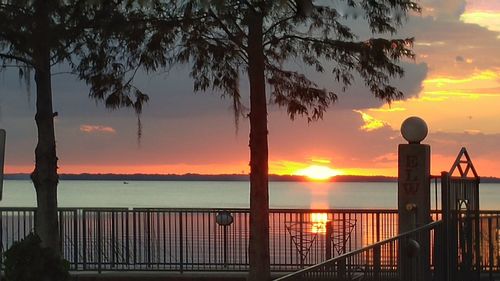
(191,240)
(375,262)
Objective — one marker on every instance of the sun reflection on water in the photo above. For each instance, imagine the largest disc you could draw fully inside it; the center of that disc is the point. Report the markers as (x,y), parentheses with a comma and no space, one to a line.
(319,221)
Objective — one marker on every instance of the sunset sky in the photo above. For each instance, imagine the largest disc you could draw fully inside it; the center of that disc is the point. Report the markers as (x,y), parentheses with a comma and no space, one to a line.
(454,84)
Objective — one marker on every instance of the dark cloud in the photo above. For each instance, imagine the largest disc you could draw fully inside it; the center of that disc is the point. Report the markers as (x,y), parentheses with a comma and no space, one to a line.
(480,144)
(439,41)
(359,97)
(444,9)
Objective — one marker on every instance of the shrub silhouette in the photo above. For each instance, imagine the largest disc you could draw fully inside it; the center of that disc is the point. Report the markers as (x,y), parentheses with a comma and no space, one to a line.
(27,260)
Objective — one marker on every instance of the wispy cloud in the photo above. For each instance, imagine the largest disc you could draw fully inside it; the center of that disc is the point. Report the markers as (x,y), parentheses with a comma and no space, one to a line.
(371,123)
(87,128)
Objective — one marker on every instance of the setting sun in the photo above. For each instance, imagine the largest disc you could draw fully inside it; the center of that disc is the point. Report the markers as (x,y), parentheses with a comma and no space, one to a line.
(318,172)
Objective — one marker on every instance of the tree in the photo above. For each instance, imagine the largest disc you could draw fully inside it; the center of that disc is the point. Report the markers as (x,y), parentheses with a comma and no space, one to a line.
(222,40)
(36,35)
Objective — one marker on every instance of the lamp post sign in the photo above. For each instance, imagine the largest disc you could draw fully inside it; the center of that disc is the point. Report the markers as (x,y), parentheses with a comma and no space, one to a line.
(413,176)
(2,157)
(414,196)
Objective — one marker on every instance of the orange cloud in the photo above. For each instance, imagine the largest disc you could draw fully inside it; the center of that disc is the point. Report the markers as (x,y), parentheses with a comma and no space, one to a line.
(86,128)
(450,103)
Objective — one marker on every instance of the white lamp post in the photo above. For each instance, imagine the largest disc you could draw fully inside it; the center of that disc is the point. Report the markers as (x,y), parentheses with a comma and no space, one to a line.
(414,163)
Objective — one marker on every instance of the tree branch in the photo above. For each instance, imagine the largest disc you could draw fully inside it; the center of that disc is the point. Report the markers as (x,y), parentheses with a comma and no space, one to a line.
(19,59)
(227,31)
(277,23)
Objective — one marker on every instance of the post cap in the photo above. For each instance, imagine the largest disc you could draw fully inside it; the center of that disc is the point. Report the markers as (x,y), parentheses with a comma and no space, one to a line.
(414,129)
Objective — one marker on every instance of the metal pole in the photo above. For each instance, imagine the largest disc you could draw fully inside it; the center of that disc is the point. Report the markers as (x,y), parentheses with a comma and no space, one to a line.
(301,240)
(2,157)
(376,263)
(225,245)
(446,225)
(328,241)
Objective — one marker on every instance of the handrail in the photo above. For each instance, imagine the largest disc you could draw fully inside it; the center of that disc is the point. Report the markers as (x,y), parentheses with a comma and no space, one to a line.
(346,255)
(335,210)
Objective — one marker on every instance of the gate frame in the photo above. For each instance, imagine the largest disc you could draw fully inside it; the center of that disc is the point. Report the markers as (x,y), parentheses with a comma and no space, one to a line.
(450,215)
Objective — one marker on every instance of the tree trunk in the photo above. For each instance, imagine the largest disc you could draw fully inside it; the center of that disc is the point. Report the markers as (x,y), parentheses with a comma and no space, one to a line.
(259,194)
(45,176)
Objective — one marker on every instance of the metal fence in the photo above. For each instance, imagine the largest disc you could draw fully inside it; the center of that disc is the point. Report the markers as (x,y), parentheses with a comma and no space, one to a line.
(375,262)
(191,240)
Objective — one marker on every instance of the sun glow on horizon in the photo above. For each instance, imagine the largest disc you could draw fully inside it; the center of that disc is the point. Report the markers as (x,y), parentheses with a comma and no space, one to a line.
(318,172)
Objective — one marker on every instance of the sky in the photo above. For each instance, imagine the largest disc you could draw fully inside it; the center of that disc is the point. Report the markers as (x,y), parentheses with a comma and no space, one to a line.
(453,84)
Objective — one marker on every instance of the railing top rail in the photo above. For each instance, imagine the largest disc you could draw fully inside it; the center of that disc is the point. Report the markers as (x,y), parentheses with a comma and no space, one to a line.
(17,208)
(346,255)
(274,210)
(64,208)
(360,210)
(242,210)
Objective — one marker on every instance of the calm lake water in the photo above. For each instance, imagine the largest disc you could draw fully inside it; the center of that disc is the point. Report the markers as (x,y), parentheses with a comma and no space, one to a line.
(203,194)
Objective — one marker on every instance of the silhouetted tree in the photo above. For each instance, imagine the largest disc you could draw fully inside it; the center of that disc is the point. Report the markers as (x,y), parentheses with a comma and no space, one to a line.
(36,35)
(222,40)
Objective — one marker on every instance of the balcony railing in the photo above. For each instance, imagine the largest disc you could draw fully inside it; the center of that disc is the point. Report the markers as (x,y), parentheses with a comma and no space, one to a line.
(191,240)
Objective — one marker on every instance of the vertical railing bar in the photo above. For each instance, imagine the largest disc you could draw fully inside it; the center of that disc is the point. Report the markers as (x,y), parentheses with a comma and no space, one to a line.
(84,239)
(75,238)
(99,242)
(203,239)
(164,236)
(24,222)
(148,237)
(134,235)
(171,216)
(210,243)
(190,233)
(127,238)
(196,217)
(181,244)
(18,226)
(490,248)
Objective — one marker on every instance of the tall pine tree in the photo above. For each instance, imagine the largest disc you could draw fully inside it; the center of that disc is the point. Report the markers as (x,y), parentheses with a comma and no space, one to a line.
(98,41)
(222,40)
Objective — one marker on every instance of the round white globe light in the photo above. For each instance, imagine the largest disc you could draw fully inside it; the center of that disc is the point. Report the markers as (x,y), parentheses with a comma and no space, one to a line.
(414,129)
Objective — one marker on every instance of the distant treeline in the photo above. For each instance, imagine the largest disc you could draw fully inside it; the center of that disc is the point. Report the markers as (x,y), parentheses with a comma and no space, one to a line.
(225,177)
(198,177)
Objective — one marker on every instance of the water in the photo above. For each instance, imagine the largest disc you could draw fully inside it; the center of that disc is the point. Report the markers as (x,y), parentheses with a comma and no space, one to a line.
(201,194)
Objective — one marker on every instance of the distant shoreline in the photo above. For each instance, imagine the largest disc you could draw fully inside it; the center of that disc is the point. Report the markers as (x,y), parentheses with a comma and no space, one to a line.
(222,177)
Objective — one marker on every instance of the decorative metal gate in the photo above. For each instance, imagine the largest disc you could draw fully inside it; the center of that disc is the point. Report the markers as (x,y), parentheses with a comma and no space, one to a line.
(460,204)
